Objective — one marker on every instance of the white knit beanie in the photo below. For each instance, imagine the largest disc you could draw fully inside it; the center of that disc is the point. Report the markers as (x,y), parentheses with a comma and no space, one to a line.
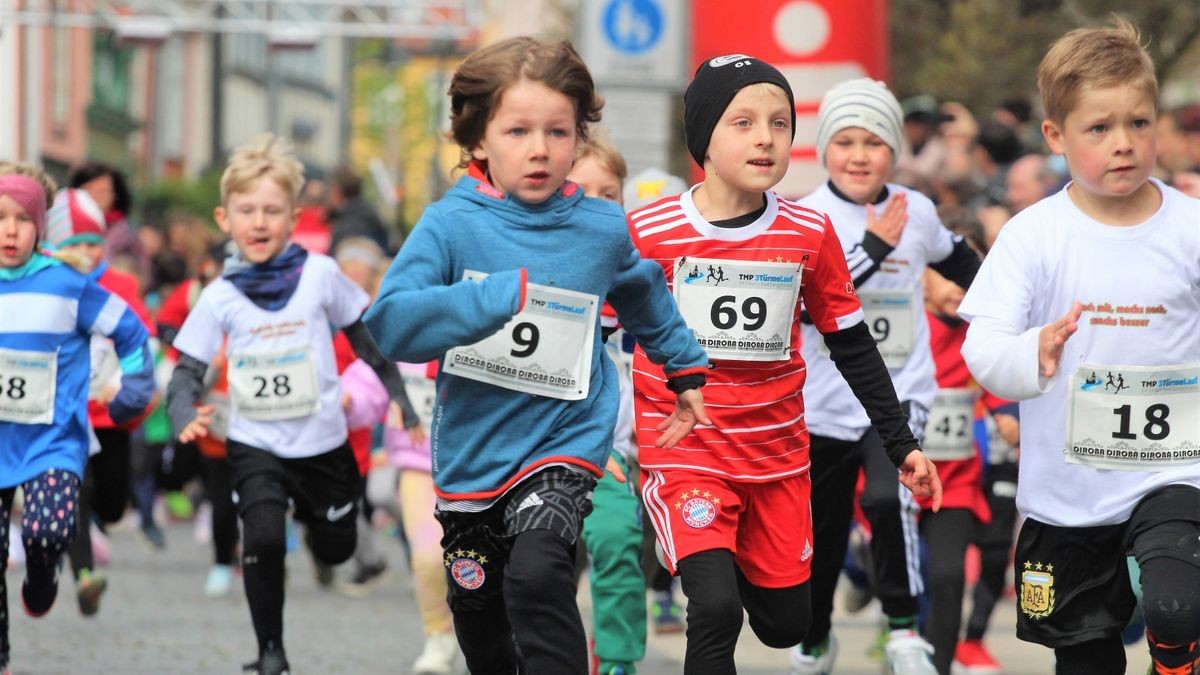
(863,103)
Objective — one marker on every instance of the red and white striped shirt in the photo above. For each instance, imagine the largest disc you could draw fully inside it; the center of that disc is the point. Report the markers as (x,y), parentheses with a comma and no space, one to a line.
(756,407)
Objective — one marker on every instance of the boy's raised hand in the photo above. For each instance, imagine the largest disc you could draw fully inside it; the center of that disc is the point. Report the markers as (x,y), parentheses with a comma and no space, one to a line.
(198,427)
(689,410)
(1053,337)
(919,474)
(889,225)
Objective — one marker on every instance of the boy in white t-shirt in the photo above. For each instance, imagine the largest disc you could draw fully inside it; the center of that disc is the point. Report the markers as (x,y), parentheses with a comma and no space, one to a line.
(287,440)
(1087,310)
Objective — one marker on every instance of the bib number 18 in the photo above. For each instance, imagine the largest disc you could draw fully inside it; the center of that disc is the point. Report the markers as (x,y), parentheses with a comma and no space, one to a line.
(1156,427)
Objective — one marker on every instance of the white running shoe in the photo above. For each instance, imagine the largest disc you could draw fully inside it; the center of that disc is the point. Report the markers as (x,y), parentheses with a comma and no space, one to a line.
(908,654)
(439,655)
(817,662)
(219,582)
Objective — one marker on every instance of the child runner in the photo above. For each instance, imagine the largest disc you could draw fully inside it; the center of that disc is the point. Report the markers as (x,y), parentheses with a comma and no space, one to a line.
(1105,470)
(503,280)
(613,531)
(75,231)
(859,132)
(731,505)
(277,304)
(950,443)
(50,313)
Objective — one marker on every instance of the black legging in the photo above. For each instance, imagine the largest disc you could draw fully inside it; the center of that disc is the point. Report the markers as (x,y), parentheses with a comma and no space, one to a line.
(535,606)
(218,485)
(891,512)
(994,541)
(717,591)
(265,531)
(105,493)
(946,534)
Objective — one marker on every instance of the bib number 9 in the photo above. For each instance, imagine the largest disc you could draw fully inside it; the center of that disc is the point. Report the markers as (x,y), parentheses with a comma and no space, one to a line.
(724,314)
(526,335)
(881,328)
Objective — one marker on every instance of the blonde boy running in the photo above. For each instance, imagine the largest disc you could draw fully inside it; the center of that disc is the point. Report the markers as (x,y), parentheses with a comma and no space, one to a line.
(287,438)
(1105,471)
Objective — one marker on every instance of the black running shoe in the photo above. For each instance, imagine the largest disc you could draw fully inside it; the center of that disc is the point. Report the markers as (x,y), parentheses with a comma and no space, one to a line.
(271,662)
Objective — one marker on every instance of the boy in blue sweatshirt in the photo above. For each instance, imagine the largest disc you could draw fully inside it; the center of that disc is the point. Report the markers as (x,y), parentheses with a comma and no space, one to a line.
(503,280)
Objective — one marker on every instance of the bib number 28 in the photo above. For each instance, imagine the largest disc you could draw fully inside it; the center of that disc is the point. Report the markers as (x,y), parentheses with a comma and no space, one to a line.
(278,385)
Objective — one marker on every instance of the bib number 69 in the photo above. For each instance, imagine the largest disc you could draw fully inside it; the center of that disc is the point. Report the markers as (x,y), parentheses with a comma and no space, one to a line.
(724,313)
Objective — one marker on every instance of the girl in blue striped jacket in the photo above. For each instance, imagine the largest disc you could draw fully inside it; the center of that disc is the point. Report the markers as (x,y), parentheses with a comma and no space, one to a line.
(48,314)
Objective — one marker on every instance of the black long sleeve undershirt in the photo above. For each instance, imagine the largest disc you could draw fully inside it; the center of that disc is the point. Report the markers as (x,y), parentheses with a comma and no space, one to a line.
(185,391)
(366,349)
(854,353)
(960,266)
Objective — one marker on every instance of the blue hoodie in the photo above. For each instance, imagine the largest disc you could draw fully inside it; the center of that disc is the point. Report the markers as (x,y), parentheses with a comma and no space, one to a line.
(487,438)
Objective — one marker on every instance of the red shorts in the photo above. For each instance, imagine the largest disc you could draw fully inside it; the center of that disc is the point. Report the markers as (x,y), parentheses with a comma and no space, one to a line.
(767,526)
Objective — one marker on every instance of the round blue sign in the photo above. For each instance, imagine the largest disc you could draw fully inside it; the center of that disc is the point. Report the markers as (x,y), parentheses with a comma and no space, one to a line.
(633,26)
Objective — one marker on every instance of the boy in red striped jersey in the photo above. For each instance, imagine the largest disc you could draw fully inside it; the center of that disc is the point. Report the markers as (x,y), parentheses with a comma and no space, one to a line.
(730,505)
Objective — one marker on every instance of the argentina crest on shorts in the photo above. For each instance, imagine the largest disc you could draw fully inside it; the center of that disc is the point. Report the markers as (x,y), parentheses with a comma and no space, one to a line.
(1037,590)
(466,568)
(698,508)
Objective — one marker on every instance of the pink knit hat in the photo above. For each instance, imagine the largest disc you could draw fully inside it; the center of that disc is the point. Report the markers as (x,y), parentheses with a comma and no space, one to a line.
(30,194)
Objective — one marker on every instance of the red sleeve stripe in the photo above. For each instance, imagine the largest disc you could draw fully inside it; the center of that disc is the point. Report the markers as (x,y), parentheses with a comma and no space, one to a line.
(653,208)
(642,219)
(665,227)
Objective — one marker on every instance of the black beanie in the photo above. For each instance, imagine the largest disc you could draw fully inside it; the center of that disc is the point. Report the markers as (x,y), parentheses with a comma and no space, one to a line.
(715,84)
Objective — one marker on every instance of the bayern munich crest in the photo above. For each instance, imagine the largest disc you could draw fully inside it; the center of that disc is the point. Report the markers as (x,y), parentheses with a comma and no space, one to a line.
(466,568)
(698,508)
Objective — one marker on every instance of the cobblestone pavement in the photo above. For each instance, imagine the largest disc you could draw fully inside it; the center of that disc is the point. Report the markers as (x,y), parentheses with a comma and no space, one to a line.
(155,619)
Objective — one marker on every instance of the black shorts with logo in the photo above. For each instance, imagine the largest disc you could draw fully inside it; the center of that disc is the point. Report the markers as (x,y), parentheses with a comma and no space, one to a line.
(1073,583)
(324,486)
(477,544)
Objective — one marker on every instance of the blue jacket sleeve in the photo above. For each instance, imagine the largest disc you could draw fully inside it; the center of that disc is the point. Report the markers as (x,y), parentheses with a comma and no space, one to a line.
(421,312)
(137,386)
(645,308)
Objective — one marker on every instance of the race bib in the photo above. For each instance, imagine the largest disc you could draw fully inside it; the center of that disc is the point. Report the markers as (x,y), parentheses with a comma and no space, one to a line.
(276,386)
(422,393)
(1134,418)
(949,430)
(546,349)
(890,315)
(739,310)
(27,384)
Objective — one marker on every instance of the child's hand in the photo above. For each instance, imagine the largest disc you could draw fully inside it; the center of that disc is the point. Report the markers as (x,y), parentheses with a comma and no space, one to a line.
(198,427)
(689,410)
(890,225)
(347,400)
(919,474)
(1009,428)
(1053,337)
(395,420)
(614,467)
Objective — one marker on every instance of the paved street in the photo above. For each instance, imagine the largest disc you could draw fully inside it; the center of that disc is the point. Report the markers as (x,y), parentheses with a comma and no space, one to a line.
(155,619)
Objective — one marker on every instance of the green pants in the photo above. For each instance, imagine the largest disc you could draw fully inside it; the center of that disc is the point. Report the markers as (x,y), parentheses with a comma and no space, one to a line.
(613,535)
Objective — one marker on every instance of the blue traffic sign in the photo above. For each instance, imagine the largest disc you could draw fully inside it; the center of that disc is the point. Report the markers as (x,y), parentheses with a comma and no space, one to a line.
(633,26)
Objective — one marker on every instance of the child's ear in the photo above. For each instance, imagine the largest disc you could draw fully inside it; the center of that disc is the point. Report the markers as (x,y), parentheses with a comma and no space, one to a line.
(478,154)
(222,218)
(1053,136)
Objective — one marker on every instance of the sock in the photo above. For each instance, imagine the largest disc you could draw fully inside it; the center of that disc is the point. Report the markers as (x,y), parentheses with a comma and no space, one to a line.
(902,623)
